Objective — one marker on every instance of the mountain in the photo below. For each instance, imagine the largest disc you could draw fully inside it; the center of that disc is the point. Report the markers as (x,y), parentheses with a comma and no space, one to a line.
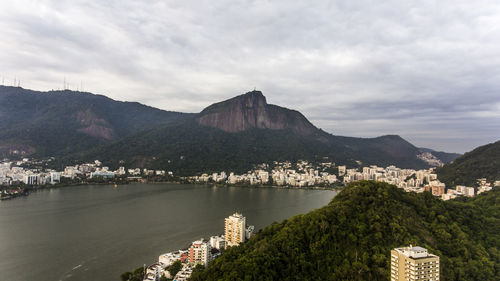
(235,134)
(482,162)
(60,122)
(252,111)
(230,135)
(444,157)
(351,238)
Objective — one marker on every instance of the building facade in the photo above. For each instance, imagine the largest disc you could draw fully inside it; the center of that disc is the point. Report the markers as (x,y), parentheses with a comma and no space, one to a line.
(218,242)
(414,263)
(31,179)
(235,229)
(200,252)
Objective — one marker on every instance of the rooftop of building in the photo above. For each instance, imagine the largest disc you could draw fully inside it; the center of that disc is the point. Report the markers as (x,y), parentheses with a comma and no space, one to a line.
(414,252)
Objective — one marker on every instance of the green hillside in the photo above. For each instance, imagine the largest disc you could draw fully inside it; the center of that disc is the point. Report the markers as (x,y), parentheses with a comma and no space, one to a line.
(238,133)
(351,238)
(482,162)
(61,122)
(188,148)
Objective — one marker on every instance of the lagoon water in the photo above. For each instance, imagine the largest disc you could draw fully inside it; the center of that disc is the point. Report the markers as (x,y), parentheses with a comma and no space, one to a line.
(96,232)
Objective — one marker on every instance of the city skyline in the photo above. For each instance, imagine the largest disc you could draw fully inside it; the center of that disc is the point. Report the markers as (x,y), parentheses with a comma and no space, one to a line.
(425,71)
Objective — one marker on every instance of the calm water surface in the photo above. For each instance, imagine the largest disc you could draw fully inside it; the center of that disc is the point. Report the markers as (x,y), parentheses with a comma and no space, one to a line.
(97,232)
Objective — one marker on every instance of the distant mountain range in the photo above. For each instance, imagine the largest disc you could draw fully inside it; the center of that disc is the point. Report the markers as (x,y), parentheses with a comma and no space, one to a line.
(482,162)
(57,123)
(229,135)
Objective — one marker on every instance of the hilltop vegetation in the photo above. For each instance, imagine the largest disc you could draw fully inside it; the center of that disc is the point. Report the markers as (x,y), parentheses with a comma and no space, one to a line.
(351,238)
(482,162)
(238,133)
(187,148)
(57,123)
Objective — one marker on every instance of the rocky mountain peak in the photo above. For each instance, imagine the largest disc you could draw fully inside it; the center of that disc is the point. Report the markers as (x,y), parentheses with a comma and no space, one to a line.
(254,95)
(250,100)
(251,110)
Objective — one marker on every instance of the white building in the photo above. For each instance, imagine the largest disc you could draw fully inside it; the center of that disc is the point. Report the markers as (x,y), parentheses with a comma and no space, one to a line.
(218,242)
(168,258)
(55,177)
(31,179)
(102,174)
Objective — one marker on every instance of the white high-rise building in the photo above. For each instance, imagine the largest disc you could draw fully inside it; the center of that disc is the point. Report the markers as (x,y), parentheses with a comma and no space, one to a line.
(31,179)
(235,230)
(55,177)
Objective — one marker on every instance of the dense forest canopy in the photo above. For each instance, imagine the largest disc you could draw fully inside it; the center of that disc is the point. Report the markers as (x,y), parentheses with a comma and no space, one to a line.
(351,238)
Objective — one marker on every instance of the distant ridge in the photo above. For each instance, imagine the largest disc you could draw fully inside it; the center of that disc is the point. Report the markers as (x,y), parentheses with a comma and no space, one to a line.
(237,133)
(482,162)
(232,135)
(56,123)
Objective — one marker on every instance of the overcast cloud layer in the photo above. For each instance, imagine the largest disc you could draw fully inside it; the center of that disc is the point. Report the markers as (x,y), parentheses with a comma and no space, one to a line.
(426,70)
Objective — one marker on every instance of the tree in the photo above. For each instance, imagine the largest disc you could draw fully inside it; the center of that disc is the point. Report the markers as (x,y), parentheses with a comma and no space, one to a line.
(136,275)
(174,268)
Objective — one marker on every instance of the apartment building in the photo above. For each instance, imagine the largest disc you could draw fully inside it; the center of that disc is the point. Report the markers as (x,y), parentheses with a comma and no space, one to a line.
(235,229)
(414,263)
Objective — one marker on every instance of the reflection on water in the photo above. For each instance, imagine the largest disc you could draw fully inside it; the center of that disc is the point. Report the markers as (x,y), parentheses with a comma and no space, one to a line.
(98,232)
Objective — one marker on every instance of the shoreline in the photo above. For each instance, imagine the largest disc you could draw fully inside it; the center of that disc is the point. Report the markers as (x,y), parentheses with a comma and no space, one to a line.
(28,190)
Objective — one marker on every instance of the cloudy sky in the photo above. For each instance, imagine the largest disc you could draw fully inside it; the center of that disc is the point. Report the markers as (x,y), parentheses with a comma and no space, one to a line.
(426,70)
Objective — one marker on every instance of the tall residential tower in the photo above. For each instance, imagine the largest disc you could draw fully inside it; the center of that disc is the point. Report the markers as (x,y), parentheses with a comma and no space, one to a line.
(235,230)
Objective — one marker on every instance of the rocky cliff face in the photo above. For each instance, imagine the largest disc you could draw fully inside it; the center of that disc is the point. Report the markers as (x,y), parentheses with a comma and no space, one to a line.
(94,126)
(252,111)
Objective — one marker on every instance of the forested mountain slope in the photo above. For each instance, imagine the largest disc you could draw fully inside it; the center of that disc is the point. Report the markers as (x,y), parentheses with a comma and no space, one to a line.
(351,238)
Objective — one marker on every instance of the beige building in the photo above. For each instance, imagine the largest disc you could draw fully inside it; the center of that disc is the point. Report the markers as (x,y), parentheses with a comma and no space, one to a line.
(235,230)
(414,263)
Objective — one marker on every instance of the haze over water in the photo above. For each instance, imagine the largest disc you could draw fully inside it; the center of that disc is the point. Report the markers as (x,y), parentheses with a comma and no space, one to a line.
(97,232)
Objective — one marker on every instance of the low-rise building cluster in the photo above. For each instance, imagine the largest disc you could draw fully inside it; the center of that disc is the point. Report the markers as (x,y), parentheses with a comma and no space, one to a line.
(305,175)
(13,173)
(414,181)
(308,174)
(461,190)
(300,174)
(16,176)
(430,159)
(408,179)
